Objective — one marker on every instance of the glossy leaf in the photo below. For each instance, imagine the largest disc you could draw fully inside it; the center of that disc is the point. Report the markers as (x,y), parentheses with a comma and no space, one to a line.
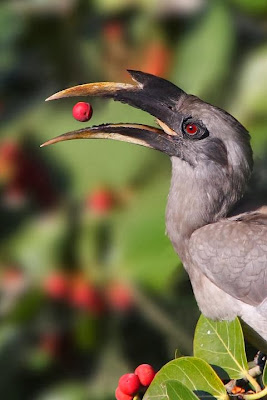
(192,372)
(177,391)
(221,344)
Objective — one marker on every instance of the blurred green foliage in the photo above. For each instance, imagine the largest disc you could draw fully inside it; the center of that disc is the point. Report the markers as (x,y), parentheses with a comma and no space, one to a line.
(119,295)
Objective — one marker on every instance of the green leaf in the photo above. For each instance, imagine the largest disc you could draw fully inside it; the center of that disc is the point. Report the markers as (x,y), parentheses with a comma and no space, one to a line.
(38,244)
(192,372)
(250,100)
(39,360)
(221,344)
(203,57)
(86,332)
(252,7)
(177,391)
(112,6)
(264,375)
(140,232)
(26,307)
(258,138)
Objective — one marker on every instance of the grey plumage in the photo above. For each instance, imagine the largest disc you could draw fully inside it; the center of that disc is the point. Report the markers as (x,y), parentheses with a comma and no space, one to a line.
(225,257)
(224,252)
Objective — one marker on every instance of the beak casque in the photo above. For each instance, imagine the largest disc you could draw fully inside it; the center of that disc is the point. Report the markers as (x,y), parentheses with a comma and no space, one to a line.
(150,93)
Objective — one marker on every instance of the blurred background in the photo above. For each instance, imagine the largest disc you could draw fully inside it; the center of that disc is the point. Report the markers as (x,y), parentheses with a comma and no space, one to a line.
(90,286)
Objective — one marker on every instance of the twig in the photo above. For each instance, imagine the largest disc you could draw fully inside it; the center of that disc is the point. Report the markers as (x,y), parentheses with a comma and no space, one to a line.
(161,320)
(253,373)
(255,396)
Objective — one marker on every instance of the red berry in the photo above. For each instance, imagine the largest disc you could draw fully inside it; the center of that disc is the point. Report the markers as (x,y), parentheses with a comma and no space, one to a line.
(10,157)
(9,150)
(119,296)
(157,59)
(129,384)
(86,297)
(82,111)
(101,201)
(13,280)
(113,31)
(11,275)
(122,396)
(56,286)
(145,373)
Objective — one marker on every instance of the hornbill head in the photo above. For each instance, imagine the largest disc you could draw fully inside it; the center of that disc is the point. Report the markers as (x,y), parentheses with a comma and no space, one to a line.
(201,135)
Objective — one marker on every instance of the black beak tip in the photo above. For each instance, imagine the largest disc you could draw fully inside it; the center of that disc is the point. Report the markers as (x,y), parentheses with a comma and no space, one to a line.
(143,78)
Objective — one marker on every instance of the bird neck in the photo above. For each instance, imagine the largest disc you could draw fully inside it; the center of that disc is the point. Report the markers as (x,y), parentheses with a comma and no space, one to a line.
(198,196)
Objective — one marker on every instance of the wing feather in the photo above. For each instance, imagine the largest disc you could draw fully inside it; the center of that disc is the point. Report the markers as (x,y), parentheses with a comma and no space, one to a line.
(232,253)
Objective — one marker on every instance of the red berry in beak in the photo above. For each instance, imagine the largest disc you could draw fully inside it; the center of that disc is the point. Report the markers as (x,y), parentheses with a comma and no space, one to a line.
(82,111)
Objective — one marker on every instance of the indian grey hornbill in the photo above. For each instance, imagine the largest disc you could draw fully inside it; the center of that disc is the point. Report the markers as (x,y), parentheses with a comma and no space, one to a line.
(224,254)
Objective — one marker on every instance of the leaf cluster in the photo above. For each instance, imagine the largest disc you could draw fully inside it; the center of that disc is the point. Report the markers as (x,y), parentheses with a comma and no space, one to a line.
(219,358)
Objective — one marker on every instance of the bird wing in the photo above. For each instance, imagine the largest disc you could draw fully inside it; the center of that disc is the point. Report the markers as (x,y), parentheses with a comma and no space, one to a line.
(232,253)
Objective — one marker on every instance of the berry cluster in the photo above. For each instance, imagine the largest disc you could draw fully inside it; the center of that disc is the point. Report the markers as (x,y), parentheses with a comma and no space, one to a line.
(24,178)
(131,384)
(77,291)
(83,294)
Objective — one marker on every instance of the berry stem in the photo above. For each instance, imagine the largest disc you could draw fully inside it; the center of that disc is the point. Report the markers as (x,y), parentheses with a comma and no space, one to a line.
(161,320)
(255,396)
(253,383)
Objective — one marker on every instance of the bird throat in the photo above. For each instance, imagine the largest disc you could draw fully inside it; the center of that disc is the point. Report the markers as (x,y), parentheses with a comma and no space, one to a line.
(195,199)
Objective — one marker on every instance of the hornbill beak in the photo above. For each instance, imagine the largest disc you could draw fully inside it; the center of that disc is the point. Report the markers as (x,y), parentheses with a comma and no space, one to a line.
(150,93)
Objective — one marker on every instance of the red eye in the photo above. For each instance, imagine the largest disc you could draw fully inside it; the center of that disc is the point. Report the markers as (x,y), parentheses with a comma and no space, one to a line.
(191,129)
